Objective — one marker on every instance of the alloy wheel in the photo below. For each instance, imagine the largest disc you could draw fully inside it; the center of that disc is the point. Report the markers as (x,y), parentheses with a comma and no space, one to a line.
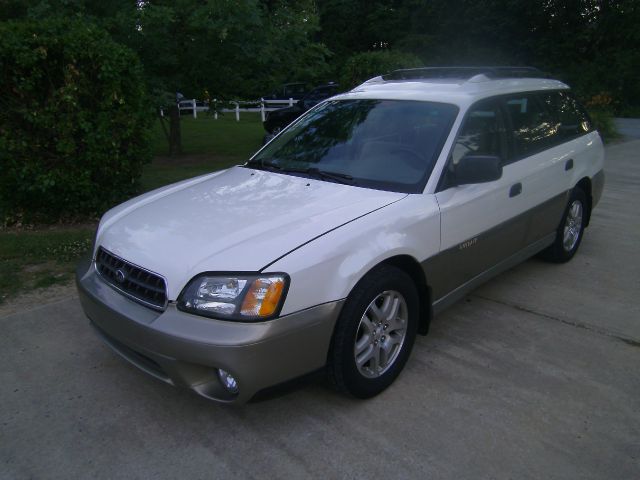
(572,226)
(381,334)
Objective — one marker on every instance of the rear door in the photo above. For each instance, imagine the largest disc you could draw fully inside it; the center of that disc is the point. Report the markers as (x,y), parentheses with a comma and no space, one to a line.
(541,161)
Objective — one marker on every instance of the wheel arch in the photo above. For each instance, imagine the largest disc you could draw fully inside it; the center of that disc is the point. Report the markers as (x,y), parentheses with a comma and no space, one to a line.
(411,267)
(585,185)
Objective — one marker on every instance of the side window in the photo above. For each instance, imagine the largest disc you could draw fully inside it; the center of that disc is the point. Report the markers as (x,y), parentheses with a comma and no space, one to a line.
(534,128)
(572,120)
(482,133)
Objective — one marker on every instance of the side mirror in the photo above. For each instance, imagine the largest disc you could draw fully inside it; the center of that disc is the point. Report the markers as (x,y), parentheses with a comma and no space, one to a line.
(477,169)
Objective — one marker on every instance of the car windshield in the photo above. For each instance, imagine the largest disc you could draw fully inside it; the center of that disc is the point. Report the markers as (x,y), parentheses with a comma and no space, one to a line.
(383,144)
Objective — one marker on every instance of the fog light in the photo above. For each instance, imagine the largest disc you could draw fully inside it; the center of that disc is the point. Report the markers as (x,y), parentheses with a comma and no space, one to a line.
(228,381)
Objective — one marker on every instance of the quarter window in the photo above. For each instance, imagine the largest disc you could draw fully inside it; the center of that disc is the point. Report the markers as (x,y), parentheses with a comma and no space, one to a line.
(569,114)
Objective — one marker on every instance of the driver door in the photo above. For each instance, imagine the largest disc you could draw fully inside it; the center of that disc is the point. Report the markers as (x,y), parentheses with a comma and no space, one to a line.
(481,224)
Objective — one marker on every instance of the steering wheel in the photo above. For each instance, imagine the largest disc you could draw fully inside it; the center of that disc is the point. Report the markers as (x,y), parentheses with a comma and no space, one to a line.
(468,145)
(411,157)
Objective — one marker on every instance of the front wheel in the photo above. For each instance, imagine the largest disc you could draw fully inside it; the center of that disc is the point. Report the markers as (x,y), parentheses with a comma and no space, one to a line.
(375,333)
(571,229)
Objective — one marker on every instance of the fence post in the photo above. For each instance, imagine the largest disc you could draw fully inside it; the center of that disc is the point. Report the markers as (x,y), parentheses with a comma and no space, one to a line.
(237,112)
(193,102)
(215,108)
(262,108)
(291,102)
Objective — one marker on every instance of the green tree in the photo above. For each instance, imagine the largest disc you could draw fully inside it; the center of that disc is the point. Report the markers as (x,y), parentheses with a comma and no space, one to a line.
(354,26)
(74,119)
(591,44)
(363,66)
(239,49)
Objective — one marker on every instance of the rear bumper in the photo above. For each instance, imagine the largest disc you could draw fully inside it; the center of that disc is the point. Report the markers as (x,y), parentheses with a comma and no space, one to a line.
(186,350)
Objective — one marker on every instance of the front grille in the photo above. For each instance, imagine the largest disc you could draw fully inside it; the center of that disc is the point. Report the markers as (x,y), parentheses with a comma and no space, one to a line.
(142,285)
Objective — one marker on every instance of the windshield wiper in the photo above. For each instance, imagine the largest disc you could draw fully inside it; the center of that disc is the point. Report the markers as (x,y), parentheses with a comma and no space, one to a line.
(312,171)
(323,174)
(264,165)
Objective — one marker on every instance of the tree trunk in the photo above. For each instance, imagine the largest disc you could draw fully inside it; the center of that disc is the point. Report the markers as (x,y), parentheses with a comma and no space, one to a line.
(175,137)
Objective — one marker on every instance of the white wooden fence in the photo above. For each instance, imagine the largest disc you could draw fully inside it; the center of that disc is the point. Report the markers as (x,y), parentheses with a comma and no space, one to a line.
(261,106)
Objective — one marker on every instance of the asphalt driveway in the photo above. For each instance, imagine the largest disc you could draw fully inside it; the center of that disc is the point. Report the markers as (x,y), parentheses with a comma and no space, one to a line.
(535,375)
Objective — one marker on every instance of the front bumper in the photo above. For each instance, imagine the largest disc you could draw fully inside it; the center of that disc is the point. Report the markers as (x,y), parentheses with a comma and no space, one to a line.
(186,350)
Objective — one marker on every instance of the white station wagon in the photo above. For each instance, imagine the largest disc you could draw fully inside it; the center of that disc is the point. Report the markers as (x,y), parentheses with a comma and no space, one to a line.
(336,243)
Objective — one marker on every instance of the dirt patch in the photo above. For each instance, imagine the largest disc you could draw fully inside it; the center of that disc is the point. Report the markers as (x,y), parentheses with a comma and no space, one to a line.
(40,267)
(41,296)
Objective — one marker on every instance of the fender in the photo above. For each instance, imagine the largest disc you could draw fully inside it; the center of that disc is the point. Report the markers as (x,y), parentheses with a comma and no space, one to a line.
(327,268)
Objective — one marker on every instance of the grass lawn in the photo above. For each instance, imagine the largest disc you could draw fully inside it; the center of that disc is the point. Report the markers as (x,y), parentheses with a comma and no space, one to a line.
(31,259)
(223,137)
(207,144)
(35,259)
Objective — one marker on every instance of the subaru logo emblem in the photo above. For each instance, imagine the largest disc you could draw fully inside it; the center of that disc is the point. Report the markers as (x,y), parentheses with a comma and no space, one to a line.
(120,276)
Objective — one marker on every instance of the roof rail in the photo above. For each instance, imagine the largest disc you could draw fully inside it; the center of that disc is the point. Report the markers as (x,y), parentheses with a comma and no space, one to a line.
(464,73)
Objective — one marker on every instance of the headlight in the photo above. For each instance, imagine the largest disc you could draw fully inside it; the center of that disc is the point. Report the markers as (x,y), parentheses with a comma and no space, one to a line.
(235,297)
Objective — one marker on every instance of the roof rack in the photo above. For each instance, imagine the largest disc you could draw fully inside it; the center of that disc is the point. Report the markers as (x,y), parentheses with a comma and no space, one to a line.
(464,73)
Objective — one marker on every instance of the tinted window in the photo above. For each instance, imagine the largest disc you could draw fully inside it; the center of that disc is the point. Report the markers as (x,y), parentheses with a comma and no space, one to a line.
(534,129)
(572,120)
(384,144)
(319,94)
(482,133)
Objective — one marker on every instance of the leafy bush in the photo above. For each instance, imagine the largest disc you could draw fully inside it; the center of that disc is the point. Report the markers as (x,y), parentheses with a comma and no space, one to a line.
(74,120)
(600,109)
(363,66)
(603,121)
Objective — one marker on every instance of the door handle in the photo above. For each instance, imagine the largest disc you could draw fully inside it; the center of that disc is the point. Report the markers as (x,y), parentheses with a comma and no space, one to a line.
(569,165)
(515,190)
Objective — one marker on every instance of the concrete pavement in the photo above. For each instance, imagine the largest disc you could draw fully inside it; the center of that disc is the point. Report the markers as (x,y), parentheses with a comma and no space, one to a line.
(628,127)
(535,375)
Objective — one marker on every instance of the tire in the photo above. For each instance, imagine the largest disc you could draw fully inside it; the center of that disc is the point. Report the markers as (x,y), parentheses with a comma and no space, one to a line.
(571,229)
(378,326)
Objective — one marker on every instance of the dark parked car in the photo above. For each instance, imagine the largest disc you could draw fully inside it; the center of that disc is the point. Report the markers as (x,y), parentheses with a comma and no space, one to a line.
(278,119)
(295,90)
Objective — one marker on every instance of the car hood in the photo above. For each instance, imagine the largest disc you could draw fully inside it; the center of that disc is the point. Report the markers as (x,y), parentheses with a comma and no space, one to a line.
(240,219)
